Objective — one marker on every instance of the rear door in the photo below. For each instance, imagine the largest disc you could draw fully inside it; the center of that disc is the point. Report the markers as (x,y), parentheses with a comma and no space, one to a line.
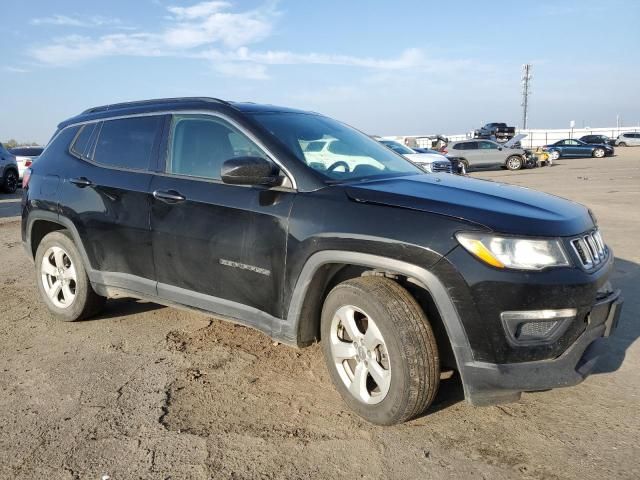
(107,197)
(217,247)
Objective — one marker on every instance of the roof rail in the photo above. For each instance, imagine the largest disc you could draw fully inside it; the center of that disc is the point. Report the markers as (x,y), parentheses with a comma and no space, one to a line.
(141,103)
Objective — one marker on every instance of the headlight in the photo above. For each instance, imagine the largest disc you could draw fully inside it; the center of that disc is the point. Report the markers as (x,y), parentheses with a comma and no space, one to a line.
(516,253)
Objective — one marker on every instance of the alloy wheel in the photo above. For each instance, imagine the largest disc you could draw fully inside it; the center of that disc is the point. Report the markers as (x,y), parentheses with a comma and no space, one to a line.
(58,277)
(514,163)
(598,153)
(11,181)
(360,355)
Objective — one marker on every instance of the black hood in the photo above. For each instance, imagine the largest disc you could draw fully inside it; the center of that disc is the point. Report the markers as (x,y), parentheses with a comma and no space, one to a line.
(497,206)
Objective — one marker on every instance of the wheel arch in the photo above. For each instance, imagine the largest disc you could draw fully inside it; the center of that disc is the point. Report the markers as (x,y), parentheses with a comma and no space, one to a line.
(325,269)
(40,223)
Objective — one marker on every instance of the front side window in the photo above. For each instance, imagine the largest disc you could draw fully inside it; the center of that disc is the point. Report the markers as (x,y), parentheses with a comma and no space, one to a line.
(128,142)
(200,144)
(350,154)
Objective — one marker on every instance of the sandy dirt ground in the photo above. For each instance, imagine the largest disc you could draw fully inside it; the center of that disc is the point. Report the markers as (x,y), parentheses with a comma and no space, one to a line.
(145,391)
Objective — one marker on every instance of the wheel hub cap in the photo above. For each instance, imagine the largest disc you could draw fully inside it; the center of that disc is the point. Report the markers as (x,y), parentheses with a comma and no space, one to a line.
(360,355)
(58,275)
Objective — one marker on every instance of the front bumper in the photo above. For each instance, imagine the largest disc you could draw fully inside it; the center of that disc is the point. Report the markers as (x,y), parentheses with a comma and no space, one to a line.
(490,383)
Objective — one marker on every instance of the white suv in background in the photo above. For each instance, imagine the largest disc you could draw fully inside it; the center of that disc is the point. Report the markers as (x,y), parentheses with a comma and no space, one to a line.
(628,140)
(429,162)
(25,156)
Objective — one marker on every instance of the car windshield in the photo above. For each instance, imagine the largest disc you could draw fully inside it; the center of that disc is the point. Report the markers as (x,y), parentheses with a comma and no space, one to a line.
(349,155)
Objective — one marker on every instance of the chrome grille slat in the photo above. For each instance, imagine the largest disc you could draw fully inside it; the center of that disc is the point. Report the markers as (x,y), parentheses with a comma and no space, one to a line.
(441,167)
(590,249)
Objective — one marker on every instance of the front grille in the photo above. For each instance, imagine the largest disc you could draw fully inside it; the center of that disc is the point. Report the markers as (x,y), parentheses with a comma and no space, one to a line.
(590,249)
(441,167)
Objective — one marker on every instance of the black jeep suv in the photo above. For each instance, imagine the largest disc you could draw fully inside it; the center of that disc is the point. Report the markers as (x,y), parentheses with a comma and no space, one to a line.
(220,207)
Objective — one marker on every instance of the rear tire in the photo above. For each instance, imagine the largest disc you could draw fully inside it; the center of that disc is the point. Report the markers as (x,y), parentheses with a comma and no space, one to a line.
(10,181)
(514,162)
(622,144)
(62,279)
(380,350)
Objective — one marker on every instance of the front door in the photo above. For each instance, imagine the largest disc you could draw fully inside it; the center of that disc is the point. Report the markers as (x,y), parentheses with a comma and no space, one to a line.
(488,154)
(217,247)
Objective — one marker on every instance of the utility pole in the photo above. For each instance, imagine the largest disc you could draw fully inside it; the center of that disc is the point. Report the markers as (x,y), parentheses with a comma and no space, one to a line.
(526,79)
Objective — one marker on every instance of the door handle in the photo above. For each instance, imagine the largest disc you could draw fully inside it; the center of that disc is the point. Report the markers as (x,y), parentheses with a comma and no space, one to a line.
(81,182)
(169,196)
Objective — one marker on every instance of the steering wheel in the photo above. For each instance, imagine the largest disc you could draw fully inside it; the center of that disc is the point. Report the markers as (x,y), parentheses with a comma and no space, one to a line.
(337,164)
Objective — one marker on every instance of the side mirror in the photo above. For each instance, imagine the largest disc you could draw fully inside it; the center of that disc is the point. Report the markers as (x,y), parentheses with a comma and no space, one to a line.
(250,171)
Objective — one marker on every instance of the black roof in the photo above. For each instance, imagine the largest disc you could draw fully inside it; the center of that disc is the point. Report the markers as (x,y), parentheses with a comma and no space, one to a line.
(183,103)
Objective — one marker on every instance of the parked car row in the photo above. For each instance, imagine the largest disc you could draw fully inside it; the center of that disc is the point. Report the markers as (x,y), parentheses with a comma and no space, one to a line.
(577,148)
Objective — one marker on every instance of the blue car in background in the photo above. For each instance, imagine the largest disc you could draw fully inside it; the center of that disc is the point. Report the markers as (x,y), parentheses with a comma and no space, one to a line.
(571,147)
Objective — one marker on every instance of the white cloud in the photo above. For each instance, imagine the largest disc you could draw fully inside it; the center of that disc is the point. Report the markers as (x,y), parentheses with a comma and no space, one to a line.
(213,31)
(250,71)
(410,58)
(12,69)
(211,22)
(77,21)
(199,10)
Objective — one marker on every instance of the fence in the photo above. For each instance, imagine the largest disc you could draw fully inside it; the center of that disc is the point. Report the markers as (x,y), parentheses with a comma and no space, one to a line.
(535,137)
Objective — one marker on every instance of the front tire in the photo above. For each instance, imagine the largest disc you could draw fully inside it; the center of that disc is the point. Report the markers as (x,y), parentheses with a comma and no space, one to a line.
(514,162)
(554,155)
(599,153)
(380,350)
(10,181)
(62,279)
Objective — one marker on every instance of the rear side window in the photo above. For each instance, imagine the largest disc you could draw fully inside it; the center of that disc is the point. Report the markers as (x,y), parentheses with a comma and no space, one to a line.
(467,146)
(201,144)
(81,142)
(128,142)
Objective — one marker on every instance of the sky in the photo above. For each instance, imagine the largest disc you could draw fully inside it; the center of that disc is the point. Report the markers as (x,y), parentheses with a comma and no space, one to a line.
(386,67)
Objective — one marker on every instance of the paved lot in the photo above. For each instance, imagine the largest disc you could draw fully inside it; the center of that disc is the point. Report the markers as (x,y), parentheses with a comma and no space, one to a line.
(10,204)
(146,391)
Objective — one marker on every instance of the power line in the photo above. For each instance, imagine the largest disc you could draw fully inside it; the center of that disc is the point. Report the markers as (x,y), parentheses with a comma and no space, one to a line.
(526,91)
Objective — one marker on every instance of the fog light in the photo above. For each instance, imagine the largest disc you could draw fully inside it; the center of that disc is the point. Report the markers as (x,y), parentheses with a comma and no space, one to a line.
(536,327)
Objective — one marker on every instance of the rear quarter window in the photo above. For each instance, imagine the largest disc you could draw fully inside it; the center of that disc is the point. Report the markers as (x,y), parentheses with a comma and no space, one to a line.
(81,141)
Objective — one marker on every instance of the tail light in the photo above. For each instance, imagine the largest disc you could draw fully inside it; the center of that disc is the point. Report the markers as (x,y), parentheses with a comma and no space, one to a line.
(26,176)
(444,151)
(28,163)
